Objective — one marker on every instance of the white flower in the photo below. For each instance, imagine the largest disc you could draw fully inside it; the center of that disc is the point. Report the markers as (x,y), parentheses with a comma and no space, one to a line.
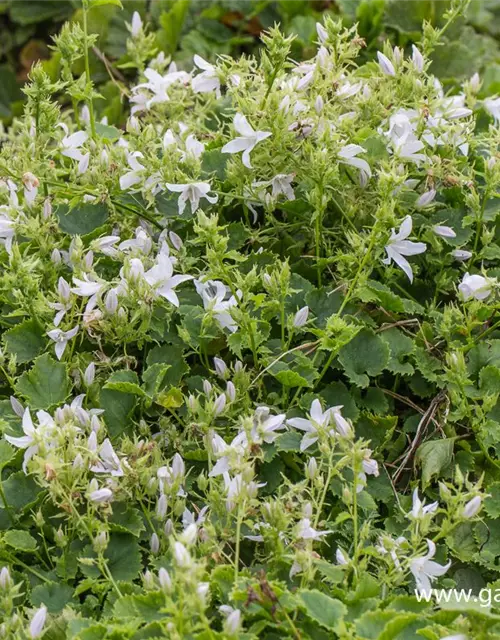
(71,147)
(461,255)
(247,140)
(425,570)
(28,441)
(64,303)
(492,106)
(215,299)
(322,32)
(419,510)
(282,183)
(38,622)
(136,26)
(206,81)
(472,508)
(99,496)
(398,246)
(347,155)
(192,192)
(194,148)
(385,64)
(417,59)
(233,622)
(161,279)
(61,338)
(109,461)
(86,288)
(306,532)
(265,425)
(31,184)
(300,318)
(181,555)
(425,199)
(443,231)
(341,557)
(475,286)
(135,176)
(319,419)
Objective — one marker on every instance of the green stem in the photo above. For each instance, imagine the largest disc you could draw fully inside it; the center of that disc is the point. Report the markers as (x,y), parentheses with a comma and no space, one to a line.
(319,508)
(87,70)
(317,234)
(239,519)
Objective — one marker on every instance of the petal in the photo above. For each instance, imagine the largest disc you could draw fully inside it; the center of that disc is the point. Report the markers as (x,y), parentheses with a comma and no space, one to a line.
(302,424)
(236,145)
(242,126)
(403,264)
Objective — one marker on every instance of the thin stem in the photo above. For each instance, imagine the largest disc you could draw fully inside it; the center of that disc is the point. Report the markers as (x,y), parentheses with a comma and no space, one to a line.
(239,519)
(87,70)
(317,234)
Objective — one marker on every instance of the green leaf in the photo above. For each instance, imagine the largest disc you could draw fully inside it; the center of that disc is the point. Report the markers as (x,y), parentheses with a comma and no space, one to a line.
(400,346)
(20,491)
(126,519)
(26,13)
(118,409)
(434,456)
(82,219)
(107,132)
(489,380)
(9,91)
(492,502)
(366,354)
(125,381)
(327,611)
(20,540)
(53,595)
(172,23)
(26,340)
(122,556)
(45,385)
(153,378)
(101,3)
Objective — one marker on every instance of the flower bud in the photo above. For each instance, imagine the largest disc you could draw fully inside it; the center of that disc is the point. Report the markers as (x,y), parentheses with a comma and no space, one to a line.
(175,240)
(161,506)
(311,468)
(230,391)
(207,387)
(5,579)
(154,544)
(341,557)
(181,555)
(148,580)
(472,508)
(220,367)
(220,404)
(319,104)
(233,622)
(301,317)
(89,375)
(37,622)
(475,83)
(165,580)
(111,301)
(168,529)
(55,256)
(17,407)
(47,208)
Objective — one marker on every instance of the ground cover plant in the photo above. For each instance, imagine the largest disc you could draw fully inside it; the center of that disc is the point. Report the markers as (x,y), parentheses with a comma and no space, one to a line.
(250,355)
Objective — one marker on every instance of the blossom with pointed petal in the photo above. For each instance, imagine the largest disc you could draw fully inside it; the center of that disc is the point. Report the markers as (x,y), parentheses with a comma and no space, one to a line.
(425,570)
(192,192)
(214,294)
(160,277)
(398,247)
(206,81)
(443,231)
(246,141)
(135,176)
(347,155)
(71,147)
(306,532)
(420,509)
(61,338)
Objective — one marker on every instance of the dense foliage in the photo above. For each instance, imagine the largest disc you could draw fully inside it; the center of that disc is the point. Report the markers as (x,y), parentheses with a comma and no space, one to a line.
(233,27)
(250,355)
